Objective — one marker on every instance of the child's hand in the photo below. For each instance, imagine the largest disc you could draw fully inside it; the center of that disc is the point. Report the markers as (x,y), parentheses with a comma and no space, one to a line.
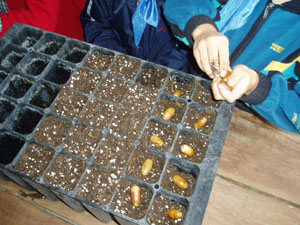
(243,80)
(211,50)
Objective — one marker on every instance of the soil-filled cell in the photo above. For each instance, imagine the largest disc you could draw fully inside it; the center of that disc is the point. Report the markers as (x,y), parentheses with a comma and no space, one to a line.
(59,73)
(26,120)
(36,66)
(98,185)
(18,87)
(35,160)
(65,172)
(203,95)
(152,77)
(82,141)
(180,86)
(99,61)
(68,103)
(125,67)
(122,200)
(10,146)
(52,131)
(114,153)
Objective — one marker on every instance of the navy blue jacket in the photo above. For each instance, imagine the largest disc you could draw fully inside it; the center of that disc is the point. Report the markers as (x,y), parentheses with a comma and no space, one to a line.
(107,23)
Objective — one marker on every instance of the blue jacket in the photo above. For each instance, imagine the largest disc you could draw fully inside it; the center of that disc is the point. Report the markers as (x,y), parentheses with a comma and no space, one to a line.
(107,23)
(269,42)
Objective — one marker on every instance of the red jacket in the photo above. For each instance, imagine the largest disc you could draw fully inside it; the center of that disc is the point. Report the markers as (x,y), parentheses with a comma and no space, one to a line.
(60,16)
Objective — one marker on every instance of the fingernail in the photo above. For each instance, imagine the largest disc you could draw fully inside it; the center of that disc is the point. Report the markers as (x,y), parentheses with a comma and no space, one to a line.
(223,73)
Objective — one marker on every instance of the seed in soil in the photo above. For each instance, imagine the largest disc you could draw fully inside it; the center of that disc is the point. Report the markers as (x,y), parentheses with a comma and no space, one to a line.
(169,113)
(135,192)
(180,182)
(200,122)
(147,167)
(187,150)
(156,140)
(177,93)
(174,214)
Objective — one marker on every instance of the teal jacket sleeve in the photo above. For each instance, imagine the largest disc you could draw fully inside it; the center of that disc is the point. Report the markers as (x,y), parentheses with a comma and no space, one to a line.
(184,16)
(276,100)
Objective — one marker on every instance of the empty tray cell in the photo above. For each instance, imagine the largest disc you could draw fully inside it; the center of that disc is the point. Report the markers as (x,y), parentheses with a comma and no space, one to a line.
(6,108)
(127,124)
(51,43)
(35,64)
(3,76)
(112,89)
(158,213)
(169,110)
(82,141)
(125,67)
(11,56)
(18,87)
(180,85)
(84,81)
(140,99)
(114,153)
(43,95)
(99,60)
(10,146)
(203,95)
(52,131)
(148,171)
(187,140)
(75,51)
(194,115)
(98,185)
(27,37)
(152,77)
(158,136)
(35,160)
(65,172)
(26,120)
(59,73)
(122,200)
(68,103)
(97,114)
(180,180)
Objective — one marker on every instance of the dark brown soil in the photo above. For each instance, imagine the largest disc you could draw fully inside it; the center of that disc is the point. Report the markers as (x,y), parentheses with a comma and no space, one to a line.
(158,213)
(127,124)
(198,142)
(168,183)
(122,200)
(99,61)
(164,104)
(35,160)
(165,132)
(124,67)
(82,141)
(175,84)
(137,160)
(193,114)
(68,103)
(114,153)
(65,172)
(140,99)
(52,131)
(84,81)
(98,185)
(97,114)
(112,89)
(152,77)
(203,96)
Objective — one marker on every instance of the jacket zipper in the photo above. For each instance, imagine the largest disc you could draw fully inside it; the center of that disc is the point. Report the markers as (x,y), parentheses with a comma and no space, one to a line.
(270,7)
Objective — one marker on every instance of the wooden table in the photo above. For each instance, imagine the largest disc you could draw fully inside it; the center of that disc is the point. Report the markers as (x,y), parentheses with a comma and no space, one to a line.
(257,182)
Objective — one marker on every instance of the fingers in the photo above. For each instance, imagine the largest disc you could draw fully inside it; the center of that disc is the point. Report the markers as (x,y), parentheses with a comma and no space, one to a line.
(224,57)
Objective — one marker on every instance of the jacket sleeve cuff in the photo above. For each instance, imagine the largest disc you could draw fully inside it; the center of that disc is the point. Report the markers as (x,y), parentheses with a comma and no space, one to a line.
(261,91)
(193,23)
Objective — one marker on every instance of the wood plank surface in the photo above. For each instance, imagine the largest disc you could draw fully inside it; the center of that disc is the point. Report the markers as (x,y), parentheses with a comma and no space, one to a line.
(262,156)
(231,204)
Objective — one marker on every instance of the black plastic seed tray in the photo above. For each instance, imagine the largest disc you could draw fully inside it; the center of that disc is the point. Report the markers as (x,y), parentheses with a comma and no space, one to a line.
(77,122)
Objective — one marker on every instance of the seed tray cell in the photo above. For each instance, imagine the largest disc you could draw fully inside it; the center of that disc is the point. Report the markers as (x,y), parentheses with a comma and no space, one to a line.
(81,124)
